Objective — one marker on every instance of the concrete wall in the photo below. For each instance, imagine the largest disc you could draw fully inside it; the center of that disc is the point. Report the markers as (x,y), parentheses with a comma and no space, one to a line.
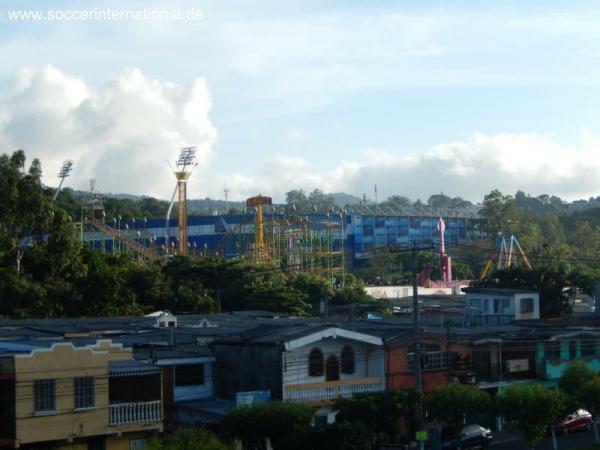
(553,368)
(369,361)
(247,367)
(392,292)
(113,442)
(399,376)
(536,307)
(63,363)
(196,392)
(514,301)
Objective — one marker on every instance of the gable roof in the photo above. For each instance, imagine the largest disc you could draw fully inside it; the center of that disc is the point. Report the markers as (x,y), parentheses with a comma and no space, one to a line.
(331,332)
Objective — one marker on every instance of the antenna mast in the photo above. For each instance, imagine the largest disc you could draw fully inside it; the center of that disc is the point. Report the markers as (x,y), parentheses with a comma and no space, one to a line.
(226,191)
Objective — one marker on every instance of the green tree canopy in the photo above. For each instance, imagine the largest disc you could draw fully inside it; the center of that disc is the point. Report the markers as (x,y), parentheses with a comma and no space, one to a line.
(24,209)
(575,377)
(188,439)
(589,395)
(390,412)
(396,201)
(284,424)
(452,402)
(531,409)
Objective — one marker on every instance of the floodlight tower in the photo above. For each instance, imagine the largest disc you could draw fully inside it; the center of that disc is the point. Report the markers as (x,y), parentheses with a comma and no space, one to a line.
(184,166)
(64,172)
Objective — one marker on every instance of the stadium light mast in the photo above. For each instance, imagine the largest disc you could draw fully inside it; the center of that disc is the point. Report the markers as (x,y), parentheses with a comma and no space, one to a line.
(183,170)
(64,172)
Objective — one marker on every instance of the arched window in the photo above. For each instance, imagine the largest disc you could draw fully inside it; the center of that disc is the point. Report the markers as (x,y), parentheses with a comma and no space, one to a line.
(315,363)
(332,372)
(348,360)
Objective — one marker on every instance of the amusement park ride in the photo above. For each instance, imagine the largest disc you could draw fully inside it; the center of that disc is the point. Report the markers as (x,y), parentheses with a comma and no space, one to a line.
(266,233)
(507,251)
(259,250)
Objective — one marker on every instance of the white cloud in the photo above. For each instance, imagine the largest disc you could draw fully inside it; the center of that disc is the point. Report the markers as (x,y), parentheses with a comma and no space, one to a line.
(121,134)
(469,168)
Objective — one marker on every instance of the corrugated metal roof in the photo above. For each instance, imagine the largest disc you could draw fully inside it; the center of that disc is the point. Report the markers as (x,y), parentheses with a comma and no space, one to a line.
(130,368)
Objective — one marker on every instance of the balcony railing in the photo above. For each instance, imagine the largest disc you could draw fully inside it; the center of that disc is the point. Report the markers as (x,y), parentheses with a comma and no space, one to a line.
(330,390)
(141,412)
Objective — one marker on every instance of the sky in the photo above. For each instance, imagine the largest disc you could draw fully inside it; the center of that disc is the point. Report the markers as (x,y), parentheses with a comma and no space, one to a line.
(418,98)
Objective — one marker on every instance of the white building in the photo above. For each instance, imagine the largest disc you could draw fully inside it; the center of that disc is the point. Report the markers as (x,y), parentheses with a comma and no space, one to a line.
(492,306)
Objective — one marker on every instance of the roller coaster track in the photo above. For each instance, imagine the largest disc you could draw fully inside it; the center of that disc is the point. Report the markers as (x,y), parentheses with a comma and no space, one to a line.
(142,251)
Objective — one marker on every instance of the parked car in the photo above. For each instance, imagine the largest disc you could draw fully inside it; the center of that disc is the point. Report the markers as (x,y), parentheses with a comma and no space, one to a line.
(576,421)
(470,436)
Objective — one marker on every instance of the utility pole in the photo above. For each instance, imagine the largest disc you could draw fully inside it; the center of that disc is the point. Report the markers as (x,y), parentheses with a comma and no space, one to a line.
(417,323)
(376,202)
(414,249)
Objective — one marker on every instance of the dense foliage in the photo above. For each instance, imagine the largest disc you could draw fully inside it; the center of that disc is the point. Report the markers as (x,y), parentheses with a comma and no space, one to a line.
(562,248)
(284,424)
(188,439)
(389,413)
(531,409)
(574,377)
(45,271)
(452,402)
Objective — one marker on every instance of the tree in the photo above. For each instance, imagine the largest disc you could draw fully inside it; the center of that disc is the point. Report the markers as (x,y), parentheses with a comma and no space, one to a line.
(452,402)
(314,286)
(284,424)
(24,209)
(319,201)
(531,409)
(397,201)
(589,396)
(188,439)
(102,290)
(443,201)
(152,288)
(461,270)
(278,299)
(295,197)
(439,201)
(390,412)
(351,295)
(585,239)
(497,209)
(574,377)
(359,409)
(63,248)
(382,267)
(341,436)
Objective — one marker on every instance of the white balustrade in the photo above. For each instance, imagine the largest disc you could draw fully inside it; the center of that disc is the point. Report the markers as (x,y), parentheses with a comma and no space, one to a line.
(140,412)
(330,390)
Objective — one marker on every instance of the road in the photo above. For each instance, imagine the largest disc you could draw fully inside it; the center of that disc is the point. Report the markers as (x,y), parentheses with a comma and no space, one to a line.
(572,441)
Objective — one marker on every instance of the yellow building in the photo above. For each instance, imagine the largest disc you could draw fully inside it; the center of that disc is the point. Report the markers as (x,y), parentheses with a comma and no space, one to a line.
(66,395)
